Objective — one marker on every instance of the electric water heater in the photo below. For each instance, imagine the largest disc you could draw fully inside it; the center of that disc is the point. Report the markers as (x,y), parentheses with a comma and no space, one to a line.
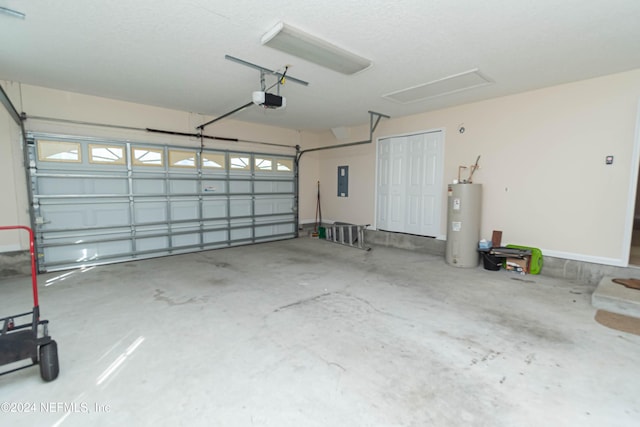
(463,224)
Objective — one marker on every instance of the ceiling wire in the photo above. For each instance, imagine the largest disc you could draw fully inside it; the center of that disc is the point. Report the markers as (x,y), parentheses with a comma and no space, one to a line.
(279,82)
(13,13)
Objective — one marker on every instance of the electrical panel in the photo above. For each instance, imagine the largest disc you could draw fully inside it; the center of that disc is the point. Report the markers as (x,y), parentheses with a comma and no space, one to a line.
(343,181)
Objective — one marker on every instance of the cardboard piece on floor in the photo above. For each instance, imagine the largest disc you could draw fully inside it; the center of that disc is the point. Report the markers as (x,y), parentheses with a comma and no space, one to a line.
(522,263)
(629,283)
(618,322)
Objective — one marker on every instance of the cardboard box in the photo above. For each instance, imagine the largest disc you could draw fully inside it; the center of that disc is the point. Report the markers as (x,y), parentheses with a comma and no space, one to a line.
(535,262)
(518,264)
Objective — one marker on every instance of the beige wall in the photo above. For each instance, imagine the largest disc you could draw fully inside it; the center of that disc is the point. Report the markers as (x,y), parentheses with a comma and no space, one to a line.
(543,166)
(38,101)
(358,207)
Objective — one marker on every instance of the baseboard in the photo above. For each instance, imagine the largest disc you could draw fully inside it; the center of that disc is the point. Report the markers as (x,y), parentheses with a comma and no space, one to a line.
(313,221)
(10,248)
(584,269)
(422,244)
(15,263)
(584,258)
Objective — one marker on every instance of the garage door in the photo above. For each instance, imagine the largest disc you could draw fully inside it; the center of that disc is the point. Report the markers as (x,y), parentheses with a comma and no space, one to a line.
(98,201)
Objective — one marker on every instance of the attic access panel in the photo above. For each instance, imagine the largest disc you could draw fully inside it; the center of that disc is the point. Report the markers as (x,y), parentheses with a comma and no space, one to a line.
(448,85)
(101,201)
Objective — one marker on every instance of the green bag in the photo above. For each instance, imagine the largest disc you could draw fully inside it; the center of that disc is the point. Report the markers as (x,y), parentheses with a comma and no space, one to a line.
(535,265)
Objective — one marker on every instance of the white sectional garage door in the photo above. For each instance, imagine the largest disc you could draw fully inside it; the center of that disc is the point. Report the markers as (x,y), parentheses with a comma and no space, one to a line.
(97,201)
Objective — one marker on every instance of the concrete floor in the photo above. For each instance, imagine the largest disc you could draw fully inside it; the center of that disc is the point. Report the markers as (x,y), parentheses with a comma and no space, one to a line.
(309,333)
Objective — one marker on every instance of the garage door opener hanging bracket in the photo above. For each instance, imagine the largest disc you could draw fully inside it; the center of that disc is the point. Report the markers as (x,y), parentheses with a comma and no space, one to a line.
(264,90)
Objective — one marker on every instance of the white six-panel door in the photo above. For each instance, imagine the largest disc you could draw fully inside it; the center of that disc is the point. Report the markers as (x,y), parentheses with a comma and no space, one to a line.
(409,187)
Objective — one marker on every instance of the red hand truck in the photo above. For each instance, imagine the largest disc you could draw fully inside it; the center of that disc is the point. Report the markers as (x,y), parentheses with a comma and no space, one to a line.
(22,339)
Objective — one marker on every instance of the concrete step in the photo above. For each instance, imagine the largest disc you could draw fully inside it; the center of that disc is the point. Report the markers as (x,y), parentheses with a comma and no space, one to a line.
(616,298)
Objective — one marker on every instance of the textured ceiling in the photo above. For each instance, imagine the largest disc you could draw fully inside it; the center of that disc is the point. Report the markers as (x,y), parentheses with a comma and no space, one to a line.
(171,53)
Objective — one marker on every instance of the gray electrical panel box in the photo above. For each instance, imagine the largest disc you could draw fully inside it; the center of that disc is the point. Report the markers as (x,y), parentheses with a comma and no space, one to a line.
(343,181)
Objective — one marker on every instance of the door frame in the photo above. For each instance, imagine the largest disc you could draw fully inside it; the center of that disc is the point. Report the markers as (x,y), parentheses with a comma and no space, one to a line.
(633,193)
(442,194)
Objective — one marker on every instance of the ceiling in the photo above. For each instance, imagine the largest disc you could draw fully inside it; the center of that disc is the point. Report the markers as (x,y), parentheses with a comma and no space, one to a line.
(171,53)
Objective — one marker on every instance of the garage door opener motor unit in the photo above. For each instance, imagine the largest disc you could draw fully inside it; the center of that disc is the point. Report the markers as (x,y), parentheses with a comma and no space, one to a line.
(29,339)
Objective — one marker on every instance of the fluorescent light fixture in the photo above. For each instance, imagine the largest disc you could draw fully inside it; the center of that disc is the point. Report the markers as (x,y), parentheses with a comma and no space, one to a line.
(12,12)
(298,43)
(445,86)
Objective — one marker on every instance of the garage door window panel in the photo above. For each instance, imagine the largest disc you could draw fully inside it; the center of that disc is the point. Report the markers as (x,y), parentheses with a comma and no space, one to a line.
(214,161)
(240,162)
(182,159)
(59,151)
(144,156)
(284,165)
(263,164)
(107,154)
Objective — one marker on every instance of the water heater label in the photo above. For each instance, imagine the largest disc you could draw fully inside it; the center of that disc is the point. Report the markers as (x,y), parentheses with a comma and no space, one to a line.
(456,204)
(456,226)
